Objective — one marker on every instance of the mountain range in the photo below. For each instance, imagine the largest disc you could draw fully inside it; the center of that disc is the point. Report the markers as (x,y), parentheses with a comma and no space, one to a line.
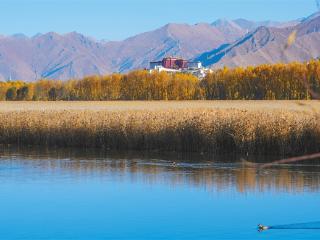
(268,45)
(224,42)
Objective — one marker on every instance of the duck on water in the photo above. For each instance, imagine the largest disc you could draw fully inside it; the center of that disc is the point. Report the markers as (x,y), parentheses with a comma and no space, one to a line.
(262,227)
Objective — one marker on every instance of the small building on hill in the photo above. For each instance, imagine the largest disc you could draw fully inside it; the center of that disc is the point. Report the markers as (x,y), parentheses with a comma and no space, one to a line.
(176,65)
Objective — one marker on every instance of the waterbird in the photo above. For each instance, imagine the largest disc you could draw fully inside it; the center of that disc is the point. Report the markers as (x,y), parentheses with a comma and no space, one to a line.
(262,227)
(305,226)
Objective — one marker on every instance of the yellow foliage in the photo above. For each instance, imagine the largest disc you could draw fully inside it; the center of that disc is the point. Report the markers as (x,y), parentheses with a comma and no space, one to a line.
(277,81)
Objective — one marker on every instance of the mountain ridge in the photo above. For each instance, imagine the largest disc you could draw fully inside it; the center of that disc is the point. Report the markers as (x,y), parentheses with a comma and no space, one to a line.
(268,45)
(74,55)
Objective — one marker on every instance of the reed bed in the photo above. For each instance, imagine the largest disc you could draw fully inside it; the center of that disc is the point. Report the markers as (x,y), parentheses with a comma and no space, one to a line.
(246,127)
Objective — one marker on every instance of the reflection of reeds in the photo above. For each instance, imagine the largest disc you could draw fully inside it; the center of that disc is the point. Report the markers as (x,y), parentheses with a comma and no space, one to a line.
(212,130)
(209,175)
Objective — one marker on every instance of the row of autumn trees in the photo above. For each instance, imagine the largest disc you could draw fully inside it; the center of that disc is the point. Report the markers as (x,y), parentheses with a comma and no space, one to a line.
(278,81)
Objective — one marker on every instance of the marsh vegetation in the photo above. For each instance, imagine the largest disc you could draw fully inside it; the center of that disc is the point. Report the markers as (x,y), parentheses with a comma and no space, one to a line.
(246,127)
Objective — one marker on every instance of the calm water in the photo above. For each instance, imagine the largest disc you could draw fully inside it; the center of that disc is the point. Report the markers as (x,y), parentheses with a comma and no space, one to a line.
(73,194)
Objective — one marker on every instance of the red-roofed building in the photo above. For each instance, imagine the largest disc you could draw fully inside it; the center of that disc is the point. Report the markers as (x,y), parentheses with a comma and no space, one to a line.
(176,65)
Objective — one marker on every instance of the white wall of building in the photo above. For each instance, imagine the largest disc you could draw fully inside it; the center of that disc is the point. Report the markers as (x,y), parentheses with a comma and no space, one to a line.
(195,65)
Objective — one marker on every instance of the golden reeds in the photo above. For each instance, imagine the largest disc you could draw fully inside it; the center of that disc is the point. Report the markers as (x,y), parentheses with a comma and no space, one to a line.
(283,128)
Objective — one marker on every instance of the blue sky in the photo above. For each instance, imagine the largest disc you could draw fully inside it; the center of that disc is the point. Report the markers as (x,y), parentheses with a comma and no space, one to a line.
(118,19)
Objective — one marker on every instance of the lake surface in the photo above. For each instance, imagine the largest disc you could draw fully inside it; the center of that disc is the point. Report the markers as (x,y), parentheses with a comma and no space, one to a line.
(79,194)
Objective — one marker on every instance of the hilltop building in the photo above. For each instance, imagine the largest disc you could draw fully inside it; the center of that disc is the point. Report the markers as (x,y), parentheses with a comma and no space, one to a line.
(179,65)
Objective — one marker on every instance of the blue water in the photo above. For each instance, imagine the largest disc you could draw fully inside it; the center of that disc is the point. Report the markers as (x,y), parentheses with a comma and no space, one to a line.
(50,195)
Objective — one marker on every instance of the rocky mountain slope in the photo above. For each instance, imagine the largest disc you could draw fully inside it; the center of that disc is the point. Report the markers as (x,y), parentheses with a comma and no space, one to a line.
(73,55)
(268,45)
(235,42)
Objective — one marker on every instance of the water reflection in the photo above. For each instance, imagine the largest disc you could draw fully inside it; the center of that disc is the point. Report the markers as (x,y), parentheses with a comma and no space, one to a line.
(218,174)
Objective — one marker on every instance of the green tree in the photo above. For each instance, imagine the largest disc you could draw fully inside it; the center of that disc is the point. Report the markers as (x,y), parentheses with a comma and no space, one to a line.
(52,94)
(23,93)
(11,94)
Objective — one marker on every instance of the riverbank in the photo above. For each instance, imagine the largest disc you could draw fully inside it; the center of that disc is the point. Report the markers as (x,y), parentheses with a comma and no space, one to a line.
(247,127)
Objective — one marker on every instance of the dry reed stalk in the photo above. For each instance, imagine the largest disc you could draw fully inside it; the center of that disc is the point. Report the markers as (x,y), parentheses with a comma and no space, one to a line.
(212,130)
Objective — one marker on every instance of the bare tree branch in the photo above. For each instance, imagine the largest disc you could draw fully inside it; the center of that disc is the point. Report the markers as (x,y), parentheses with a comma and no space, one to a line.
(291,160)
